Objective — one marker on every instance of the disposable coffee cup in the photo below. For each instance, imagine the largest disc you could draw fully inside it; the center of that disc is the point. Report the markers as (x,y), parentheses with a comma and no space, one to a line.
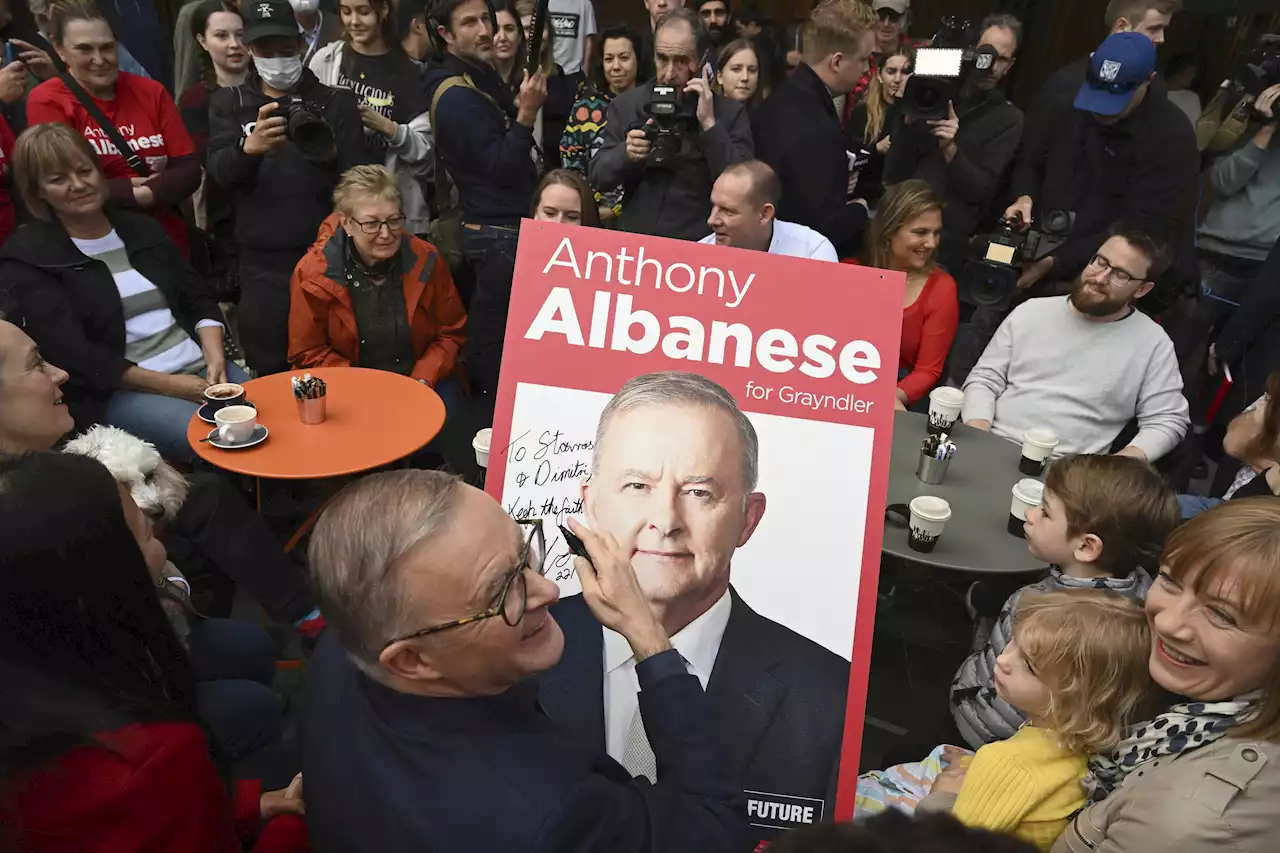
(236,423)
(224,394)
(480,444)
(1038,445)
(928,517)
(1027,494)
(944,409)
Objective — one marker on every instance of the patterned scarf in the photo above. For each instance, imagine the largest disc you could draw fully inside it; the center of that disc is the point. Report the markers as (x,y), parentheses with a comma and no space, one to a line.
(1184,726)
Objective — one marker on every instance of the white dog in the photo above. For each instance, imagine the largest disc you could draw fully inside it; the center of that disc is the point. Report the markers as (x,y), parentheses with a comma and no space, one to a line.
(156,487)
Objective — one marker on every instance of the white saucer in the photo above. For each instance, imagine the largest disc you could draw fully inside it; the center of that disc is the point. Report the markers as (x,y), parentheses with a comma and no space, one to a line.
(203,414)
(260,434)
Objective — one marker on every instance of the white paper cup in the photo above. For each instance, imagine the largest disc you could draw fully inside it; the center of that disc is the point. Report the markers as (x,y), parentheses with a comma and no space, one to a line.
(944,409)
(236,423)
(480,444)
(1027,494)
(1038,445)
(929,516)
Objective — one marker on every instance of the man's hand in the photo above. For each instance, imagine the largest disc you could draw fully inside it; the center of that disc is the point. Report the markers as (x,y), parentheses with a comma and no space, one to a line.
(1034,272)
(1134,452)
(36,60)
(637,145)
(186,387)
(13,82)
(706,112)
(377,122)
(531,97)
(286,801)
(985,426)
(268,132)
(1265,104)
(215,354)
(1020,209)
(613,593)
(945,130)
(952,776)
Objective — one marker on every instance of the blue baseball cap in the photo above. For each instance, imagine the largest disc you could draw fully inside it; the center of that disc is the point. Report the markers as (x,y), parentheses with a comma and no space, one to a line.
(1120,65)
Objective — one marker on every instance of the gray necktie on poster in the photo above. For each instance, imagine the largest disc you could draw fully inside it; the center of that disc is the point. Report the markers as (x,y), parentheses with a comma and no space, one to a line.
(638,756)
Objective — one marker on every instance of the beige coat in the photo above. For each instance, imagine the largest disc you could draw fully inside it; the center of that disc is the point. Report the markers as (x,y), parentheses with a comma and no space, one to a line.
(1221,798)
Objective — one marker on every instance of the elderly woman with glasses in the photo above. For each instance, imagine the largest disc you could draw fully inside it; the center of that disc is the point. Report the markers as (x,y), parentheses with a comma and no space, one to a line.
(368,294)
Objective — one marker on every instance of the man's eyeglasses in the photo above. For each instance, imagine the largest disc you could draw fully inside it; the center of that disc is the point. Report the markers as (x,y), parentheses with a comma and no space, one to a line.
(1116,275)
(372,226)
(513,597)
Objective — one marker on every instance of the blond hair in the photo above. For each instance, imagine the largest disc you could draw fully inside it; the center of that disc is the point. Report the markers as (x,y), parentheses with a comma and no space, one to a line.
(876,109)
(1237,544)
(901,204)
(44,150)
(362,182)
(835,26)
(1091,648)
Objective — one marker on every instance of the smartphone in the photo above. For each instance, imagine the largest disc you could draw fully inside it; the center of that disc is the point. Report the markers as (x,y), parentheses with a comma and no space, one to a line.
(708,65)
(10,55)
(574,543)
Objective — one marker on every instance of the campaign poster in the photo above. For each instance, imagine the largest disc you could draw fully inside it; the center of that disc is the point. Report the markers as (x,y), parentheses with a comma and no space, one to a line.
(742,366)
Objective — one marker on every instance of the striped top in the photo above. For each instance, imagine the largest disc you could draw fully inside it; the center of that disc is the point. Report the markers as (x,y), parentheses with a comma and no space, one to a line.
(153,338)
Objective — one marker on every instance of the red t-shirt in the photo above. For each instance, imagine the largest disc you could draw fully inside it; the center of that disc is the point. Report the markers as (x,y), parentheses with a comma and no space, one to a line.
(146,117)
(8,217)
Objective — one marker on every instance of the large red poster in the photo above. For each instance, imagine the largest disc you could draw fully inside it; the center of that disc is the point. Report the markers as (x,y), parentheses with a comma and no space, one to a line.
(809,352)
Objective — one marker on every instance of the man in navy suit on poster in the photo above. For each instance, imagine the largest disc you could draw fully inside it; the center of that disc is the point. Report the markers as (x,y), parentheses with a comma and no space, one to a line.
(673,480)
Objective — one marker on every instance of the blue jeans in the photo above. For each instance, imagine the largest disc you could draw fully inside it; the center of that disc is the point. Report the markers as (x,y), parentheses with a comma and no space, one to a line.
(235,665)
(1193,505)
(483,243)
(159,419)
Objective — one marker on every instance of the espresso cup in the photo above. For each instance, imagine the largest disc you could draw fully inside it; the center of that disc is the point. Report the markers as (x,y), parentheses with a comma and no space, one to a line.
(1038,445)
(928,517)
(480,444)
(236,423)
(1027,494)
(944,409)
(224,394)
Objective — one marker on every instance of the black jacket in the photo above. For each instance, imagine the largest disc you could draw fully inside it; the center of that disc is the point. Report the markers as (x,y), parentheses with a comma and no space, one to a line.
(777,701)
(798,133)
(871,177)
(397,773)
(1141,171)
(72,308)
(674,201)
(1250,341)
(488,154)
(990,130)
(280,198)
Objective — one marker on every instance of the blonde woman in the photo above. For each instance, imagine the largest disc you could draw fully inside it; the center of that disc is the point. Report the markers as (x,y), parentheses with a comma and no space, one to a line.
(870,125)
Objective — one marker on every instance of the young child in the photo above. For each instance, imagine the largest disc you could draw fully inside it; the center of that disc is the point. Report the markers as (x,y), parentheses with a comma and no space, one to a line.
(1101,519)
(1077,668)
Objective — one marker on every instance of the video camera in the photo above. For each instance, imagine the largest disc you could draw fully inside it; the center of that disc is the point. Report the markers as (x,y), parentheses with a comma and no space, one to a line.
(307,128)
(665,130)
(1261,68)
(942,69)
(990,277)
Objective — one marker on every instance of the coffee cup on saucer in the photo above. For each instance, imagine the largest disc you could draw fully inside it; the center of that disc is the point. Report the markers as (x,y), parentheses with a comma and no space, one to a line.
(236,423)
(222,395)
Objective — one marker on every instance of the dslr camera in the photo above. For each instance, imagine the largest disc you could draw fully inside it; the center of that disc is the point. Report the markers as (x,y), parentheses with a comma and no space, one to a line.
(990,277)
(307,128)
(942,69)
(665,128)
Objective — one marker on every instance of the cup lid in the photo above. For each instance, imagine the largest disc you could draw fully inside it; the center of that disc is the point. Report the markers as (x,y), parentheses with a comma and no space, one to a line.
(1029,490)
(948,395)
(934,509)
(1043,436)
(483,439)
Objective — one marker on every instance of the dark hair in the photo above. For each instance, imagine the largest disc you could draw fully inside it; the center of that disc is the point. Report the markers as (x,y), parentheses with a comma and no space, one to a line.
(701,39)
(1181,62)
(732,49)
(200,23)
(574,181)
(66,11)
(80,622)
(894,832)
(595,74)
(441,15)
(1006,22)
(407,11)
(765,186)
(1153,249)
(728,7)
(1135,10)
(387,29)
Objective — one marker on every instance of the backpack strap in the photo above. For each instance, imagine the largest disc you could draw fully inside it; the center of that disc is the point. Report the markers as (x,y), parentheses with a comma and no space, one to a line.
(442,183)
(136,163)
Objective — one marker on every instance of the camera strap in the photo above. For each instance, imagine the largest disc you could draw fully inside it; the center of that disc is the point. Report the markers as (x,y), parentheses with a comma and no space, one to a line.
(108,127)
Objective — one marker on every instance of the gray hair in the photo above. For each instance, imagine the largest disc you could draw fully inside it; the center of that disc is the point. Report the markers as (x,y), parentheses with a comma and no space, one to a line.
(701,38)
(674,388)
(1005,22)
(357,545)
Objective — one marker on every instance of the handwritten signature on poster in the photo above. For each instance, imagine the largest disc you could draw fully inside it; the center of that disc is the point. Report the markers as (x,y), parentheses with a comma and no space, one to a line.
(548,467)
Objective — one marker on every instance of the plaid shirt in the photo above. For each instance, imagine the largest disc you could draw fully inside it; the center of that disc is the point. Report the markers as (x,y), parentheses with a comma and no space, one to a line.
(873,67)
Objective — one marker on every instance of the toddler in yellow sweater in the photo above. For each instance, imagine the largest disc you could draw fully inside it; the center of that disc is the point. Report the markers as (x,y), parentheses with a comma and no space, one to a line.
(1077,667)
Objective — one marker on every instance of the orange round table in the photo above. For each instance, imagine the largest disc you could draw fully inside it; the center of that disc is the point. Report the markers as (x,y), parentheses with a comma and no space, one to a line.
(373,418)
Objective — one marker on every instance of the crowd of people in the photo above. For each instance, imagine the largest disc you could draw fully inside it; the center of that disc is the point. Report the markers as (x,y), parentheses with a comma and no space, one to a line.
(295,184)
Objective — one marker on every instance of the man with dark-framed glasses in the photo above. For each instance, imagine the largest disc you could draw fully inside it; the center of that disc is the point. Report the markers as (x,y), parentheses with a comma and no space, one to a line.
(423,730)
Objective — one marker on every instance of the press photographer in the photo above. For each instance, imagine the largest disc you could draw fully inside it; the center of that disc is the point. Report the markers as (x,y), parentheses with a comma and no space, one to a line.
(669,140)
(278,143)
(956,128)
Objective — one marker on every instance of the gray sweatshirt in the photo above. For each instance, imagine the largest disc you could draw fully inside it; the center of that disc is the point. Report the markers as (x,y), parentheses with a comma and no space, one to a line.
(1049,365)
(1244,221)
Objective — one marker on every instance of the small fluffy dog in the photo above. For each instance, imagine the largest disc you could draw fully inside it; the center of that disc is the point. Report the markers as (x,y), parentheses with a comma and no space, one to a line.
(156,487)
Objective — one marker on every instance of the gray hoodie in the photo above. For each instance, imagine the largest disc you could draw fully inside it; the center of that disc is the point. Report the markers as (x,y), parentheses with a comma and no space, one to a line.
(1244,221)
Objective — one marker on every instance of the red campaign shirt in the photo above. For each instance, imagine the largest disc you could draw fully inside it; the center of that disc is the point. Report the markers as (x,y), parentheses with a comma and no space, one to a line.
(8,217)
(146,117)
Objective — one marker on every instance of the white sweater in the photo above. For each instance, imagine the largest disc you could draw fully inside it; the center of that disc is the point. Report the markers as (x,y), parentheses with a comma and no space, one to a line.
(1049,365)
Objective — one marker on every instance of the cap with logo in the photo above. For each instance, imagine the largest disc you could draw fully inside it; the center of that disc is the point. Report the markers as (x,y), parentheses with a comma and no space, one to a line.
(266,18)
(1120,65)
(899,6)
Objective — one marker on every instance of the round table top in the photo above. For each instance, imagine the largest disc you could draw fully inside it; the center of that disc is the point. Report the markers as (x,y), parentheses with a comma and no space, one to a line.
(978,486)
(373,418)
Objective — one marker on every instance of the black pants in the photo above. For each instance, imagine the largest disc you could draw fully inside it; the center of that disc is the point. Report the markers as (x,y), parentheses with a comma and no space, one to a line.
(217,533)
(263,313)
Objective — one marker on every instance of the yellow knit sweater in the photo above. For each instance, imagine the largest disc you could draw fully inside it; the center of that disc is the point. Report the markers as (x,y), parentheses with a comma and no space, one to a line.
(1027,785)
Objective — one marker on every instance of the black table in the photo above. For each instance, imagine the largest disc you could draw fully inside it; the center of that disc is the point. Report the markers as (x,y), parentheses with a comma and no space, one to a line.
(978,486)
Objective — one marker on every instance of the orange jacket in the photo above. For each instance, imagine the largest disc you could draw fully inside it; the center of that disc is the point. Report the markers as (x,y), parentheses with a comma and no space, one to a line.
(322,320)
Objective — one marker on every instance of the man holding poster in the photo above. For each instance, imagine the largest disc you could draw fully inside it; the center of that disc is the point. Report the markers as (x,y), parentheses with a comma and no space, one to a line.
(673,481)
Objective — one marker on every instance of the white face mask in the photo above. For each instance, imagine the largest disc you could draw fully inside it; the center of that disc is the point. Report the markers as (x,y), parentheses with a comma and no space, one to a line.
(281,73)
(304,5)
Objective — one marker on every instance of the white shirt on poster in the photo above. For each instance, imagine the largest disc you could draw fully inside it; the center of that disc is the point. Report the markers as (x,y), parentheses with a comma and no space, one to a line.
(572,21)
(698,643)
(795,241)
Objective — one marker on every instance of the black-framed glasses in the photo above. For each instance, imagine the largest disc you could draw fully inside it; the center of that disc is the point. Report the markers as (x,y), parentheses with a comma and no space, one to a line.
(513,597)
(1115,274)
(372,226)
